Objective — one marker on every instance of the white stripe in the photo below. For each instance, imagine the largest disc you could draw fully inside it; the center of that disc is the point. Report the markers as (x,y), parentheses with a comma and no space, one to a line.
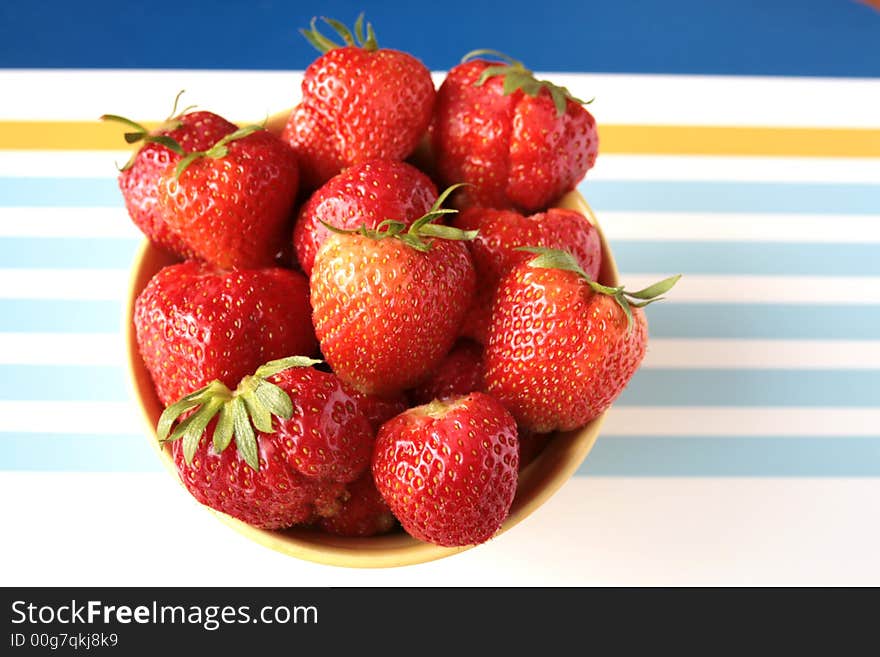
(62,164)
(124,418)
(61,349)
(694,288)
(611,166)
(92,284)
(74,417)
(112,284)
(67,222)
(727,531)
(724,421)
(666,226)
(730,226)
(639,99)
(706,353)
(103,164)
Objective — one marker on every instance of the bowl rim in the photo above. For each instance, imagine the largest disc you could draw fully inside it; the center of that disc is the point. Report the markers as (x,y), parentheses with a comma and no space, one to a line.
(537,482)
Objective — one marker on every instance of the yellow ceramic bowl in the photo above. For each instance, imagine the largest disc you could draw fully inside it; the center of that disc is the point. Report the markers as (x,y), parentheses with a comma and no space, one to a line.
(537,482)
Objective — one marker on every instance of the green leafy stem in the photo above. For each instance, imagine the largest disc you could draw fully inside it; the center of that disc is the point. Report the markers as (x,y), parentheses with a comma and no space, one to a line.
(559,259)
(359,39)
(421,228)
(517,76)
(252,404)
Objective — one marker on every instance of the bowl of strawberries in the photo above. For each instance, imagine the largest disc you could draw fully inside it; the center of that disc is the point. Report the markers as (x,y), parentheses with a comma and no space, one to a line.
(382,327)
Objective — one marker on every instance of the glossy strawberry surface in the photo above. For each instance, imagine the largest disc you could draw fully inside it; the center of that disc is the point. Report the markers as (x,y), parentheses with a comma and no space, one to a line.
(195,323)
(385,314)
(559,353)
(302,465)
(358,105)
(235,210)
(494,251)
(140,183)
(448,470)
(514,149)
(363,195)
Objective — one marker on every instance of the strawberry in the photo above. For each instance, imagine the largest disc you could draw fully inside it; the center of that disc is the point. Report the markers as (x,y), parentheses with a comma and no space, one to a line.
(139,178)
(310,439)
(448,470)
(365,194)
(359,102)
(561,346)
(387,304)
(459,373)
(521,142)
(362,513)
(232,203)
(495,250)
(195,323)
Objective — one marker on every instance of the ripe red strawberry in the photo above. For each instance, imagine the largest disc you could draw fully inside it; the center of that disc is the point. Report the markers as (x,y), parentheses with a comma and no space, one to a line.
(387,304)
(459,373)
(359,102)
(562,347)
(195,324)
(448,470)
(310,440)
(139,179)
(363,513)
(363,195)
(519,141)
(232,203)
(495,250)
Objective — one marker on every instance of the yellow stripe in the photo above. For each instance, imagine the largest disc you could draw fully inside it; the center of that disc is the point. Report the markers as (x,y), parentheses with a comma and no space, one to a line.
(642,139)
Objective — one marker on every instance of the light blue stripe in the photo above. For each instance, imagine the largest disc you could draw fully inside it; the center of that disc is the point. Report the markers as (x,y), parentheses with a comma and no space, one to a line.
(77,453)
(64,382)
(65,253)
(612,456)
(650,387)
(755,258)
(633,256)
(763,321)
(752,387)
(57,316)
(61,192)
(665,319)
(603,195)
(703,196)
(733,457)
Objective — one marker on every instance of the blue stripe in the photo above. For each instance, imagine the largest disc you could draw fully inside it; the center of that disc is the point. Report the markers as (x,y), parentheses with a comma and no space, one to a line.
(633,256)
(650,387)
(65,253)
(56,316)
(603,195)
(67,382)
(683,387)
(77,453)
(755,258)
(665,319)
(763,321)
(734,457)
(789,37)
(61,192)
(612,456)
(763,197)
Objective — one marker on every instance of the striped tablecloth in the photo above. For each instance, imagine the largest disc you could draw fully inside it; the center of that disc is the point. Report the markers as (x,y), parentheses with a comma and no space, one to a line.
(747,448)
